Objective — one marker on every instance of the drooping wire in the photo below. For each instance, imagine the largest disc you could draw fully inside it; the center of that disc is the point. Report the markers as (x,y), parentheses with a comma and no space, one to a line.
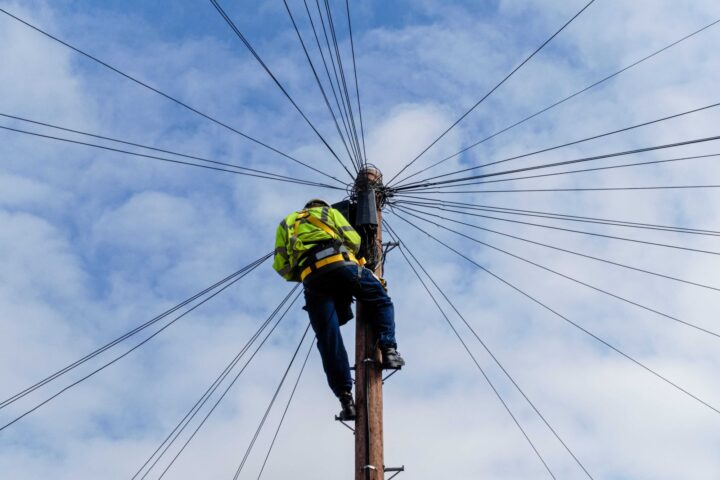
(436,184)
(250,48)
(569,97)
(270,405)
(576,142)
(227,389)
(477,364)
(357,87)
(581,232)
(205,397)
(354,161)
(507,77)
(431,203)
(568,277)
(242,170)
(138,345)
(128,334)
(287,407)
(484,345)
(567,320)
(167,96)
(586,170)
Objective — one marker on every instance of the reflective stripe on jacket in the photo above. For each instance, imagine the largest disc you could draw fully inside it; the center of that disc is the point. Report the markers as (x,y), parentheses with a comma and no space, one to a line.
(301,231)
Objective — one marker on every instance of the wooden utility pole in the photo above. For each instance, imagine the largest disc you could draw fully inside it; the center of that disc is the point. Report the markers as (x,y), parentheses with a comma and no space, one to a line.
(368,371)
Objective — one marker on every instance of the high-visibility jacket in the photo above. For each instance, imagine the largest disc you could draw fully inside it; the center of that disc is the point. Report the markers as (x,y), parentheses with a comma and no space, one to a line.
(301,231)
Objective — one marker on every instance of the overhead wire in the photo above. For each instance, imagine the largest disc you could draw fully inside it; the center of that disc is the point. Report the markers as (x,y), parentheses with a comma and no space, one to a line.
(259,173)
(354,161)
(271,404)
(167,96)
(572,279)
(583,232)
(167,160)
(595,189)
(333,56)
(586,170)
(477,364)
(683,143)
(285,411)
(250,48)
(567,144)
(584,255)
(127,335)
(342,112)
(341,69)
(205,397)
(227,389)
(492,90)
(227,285)
(432,203)
(484,345)
(565,99)
(357,87)
(569,321)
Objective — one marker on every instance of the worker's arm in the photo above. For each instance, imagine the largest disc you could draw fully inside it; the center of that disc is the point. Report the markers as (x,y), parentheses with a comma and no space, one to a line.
(281,263)
(350,237)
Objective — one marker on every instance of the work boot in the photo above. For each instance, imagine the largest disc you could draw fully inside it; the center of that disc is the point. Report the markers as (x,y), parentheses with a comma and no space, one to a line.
(347,403)
(391,359)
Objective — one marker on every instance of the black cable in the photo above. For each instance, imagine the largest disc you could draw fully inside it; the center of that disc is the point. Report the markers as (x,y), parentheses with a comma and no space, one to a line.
(432,203)
(487,349)
(336,74)
(598,259)
(576,142)
(225,287)
(180,427)
(567,277)
(287,407)
(477,364)
(270,405)
(127,335)
(227,389)
(319,84)
(582,232)
(598,189)
(493,90)
(357,87)
(171,152)
(569,97)
(341,111)
(164,159)
(566,162)
(341,68)
(247,44)
(584,170)
(567,320)
(169,97)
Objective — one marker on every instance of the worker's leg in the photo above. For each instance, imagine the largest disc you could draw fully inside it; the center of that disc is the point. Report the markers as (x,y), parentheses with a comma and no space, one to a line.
(324,320)
(370,291)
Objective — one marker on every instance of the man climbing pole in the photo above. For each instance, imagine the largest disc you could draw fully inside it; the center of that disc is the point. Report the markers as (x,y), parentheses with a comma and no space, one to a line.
(317,246)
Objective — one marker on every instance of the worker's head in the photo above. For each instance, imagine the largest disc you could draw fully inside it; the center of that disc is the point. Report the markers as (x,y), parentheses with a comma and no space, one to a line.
(316,202)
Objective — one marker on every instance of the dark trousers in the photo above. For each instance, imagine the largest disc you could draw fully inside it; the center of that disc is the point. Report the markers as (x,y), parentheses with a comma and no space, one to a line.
(327,301)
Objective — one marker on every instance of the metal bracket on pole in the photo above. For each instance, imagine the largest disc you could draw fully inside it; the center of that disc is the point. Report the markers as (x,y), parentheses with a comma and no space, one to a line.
(397,470)
(394,371)
(345,424)
(370,467)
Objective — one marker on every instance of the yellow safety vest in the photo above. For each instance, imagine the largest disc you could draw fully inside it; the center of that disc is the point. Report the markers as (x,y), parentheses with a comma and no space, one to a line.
(301,231)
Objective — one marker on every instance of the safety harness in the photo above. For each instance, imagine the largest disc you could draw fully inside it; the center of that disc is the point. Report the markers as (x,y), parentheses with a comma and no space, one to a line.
(328,253)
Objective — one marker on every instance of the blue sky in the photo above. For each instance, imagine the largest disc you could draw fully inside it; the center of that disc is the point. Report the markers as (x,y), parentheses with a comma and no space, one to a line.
(94,243)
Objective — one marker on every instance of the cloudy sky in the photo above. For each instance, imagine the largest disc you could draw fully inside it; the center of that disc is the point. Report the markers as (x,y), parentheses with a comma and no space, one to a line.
(94,243)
